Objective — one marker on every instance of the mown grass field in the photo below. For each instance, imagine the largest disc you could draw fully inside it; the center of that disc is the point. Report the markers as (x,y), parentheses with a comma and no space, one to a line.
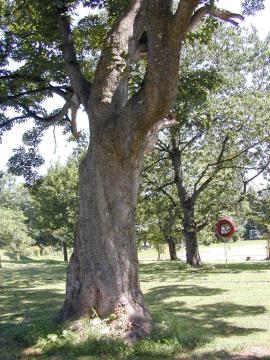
(216,312)
(237,252)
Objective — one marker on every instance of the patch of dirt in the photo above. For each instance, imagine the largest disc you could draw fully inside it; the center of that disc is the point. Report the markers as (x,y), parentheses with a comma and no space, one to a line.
(32,351)
(253,353)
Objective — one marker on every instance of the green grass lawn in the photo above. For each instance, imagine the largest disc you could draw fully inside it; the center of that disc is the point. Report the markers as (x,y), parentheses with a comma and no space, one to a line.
(208,313)
(237,250)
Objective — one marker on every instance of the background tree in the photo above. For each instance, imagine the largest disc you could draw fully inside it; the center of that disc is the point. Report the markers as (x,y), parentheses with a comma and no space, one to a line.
(158,221)
(222,131)
(14,195)
(14,222)
(55,59)
(13,231)
(56,204)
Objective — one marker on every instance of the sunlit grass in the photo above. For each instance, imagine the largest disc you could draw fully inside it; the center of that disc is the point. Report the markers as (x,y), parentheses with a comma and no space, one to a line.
(216,310)
(237,251)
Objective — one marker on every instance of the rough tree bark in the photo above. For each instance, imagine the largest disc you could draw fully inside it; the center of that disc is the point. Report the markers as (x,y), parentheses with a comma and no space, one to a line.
(103,271)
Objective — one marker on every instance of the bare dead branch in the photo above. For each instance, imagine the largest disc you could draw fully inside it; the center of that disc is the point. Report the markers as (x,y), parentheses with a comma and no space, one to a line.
(152,137)
(225,15)
(215,12)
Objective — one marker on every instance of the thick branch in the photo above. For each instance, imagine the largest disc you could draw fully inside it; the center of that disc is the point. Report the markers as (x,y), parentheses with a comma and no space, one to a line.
(110,82)
(201,226)
(165,32)
(197,17)
(175,155)
(183,16)
(80,85)
(13,120)
(225,15)
(49,119)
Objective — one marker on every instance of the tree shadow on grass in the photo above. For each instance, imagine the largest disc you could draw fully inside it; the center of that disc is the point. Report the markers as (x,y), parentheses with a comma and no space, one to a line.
(27,308)
(224,355)
(28,311)
(26,315)
(210,319)
(35,274)
(29,260)
(248,266)
(181,329)
(179,271)
(164,271)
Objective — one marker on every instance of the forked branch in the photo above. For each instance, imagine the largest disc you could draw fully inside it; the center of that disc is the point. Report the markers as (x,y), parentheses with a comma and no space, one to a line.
(80,85)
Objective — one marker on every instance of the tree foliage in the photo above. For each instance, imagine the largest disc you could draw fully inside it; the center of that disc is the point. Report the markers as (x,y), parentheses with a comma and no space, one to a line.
(55,201)
(221,141)
(103,271)
(13,230)
(14,220)
(32,69)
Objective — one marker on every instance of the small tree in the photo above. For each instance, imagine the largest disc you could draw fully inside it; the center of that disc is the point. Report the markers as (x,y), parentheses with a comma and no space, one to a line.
(55,201)
(13,231)
(158,218)
(222,132)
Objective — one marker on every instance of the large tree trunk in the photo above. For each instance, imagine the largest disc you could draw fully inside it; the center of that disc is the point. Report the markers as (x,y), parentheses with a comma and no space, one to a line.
(103,271)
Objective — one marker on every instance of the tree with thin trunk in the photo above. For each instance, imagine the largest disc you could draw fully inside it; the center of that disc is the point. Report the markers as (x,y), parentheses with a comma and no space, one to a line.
(217,148)
(103,269)
(157,216)
(55,206)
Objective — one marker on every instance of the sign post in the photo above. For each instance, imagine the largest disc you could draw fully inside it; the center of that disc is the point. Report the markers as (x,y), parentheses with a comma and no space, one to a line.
(226,251)
(225,228)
